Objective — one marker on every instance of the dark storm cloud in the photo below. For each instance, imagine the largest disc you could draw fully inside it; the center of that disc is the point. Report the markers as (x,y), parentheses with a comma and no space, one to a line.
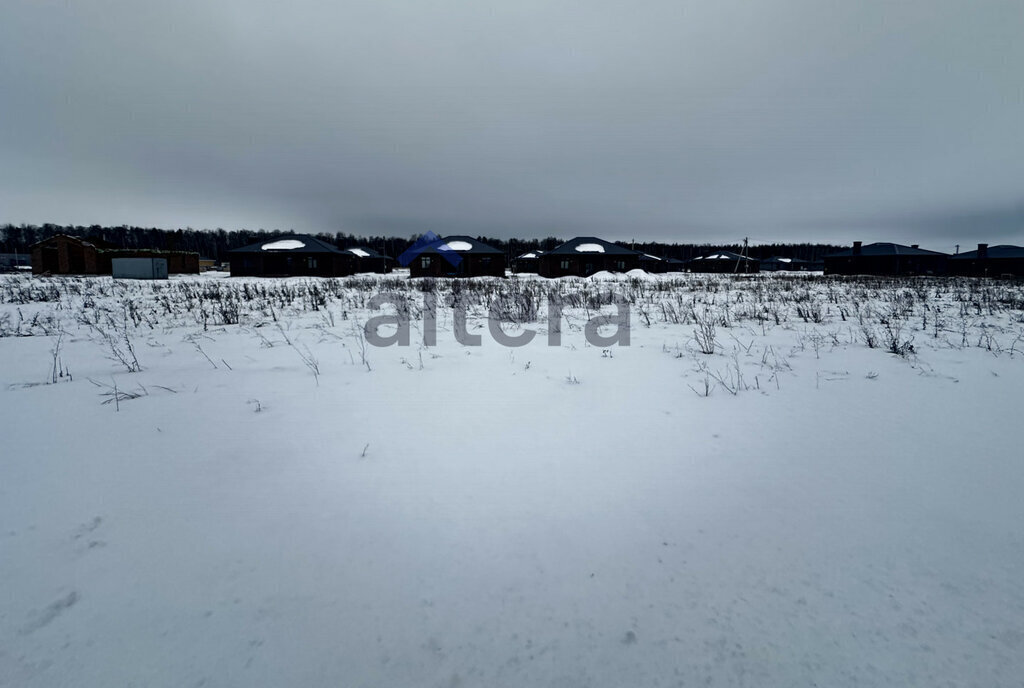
(662,120)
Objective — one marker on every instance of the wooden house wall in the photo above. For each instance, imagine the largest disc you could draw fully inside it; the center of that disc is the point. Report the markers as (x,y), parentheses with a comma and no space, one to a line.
(62,255)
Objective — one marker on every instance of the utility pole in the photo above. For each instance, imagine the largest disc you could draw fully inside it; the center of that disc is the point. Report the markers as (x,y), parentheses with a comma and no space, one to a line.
(743,257)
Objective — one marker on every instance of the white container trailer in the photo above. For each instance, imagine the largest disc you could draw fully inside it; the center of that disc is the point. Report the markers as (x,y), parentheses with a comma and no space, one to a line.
(139,268)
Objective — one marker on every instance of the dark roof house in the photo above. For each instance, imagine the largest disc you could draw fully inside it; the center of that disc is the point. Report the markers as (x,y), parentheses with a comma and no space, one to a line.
(457,256)
(653,264)
(583,256)
(527,262)
(776,263)
(675,265)
(885,259)
(989,261)
(367,260)
(723,261)
(291,255)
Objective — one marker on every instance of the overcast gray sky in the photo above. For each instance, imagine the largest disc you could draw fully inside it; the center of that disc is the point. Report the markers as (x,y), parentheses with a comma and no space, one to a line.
(660,120)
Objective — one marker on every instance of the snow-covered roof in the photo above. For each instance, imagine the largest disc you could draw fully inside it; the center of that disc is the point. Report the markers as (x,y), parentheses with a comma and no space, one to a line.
(787,261)
(723,255)
(459,244)
(591,245)
(300,243)
(283,245)
(530,255)
(365,252)
(456,246)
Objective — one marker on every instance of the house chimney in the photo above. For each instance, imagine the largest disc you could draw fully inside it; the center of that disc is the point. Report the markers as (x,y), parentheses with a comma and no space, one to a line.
(856,248)
(915,246)
(982,251)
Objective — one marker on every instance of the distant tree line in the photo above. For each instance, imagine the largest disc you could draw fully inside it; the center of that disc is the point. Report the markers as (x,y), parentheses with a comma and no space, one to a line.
(216,243)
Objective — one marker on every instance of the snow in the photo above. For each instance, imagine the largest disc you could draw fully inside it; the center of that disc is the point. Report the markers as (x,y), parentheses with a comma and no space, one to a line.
(283,245)
(528,255)
(590,248)
(457,246)
(848,517)
(359,252)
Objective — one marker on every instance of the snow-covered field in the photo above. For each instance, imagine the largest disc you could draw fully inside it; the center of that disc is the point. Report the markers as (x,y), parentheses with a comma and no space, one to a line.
(217,482)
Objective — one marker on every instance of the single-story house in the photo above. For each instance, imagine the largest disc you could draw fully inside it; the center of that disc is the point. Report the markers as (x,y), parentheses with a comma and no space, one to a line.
(654,264)
(457,256)
(675,265)
(989,261)
(724,261)
(583,256)
(527,262)
(776,263)
(367,260)
(886,259)
(291,255)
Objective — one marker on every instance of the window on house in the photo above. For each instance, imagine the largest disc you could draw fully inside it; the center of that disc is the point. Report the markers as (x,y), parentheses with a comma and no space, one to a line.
(311,262)
(424,261)
(565,265)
